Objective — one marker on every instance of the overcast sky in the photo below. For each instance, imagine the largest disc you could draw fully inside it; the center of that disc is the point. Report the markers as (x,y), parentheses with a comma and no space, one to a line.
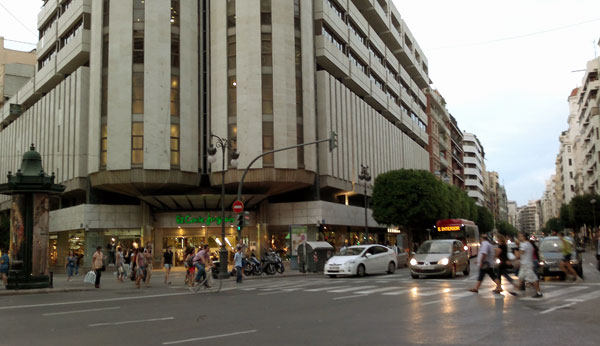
(504,68)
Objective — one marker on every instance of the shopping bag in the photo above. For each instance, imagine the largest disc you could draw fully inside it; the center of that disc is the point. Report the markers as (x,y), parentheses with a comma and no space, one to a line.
(90,277)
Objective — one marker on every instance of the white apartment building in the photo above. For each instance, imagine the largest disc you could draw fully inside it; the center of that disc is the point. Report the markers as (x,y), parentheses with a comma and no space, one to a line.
(474,168)
(549,206)
(513,213)
(588,100)
(529,221)
(127,95)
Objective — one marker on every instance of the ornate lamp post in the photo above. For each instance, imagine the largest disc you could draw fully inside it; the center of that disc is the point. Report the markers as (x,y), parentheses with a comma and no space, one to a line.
(366,177)
(224,144)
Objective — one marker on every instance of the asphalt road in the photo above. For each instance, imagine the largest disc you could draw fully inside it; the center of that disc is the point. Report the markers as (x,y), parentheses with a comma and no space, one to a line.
(310,310)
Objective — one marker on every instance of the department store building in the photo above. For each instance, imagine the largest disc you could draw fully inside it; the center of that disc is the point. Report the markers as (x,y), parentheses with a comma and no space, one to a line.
(127,95)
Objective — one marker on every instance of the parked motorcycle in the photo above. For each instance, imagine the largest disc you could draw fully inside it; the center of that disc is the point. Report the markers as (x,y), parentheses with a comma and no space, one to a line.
(278,263)
(252,266)
(268,264)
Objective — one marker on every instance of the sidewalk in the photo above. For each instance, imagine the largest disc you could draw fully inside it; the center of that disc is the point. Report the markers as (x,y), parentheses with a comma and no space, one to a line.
(108,281)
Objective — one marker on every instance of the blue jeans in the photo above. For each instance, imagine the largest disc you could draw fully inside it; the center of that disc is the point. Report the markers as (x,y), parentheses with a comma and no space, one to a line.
(200,271)
(238,271)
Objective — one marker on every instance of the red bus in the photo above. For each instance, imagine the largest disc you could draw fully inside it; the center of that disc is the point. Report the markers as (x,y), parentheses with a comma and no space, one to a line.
(461,229)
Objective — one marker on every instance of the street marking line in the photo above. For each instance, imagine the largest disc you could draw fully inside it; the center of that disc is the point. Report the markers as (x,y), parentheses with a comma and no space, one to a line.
(341,290)
(248,289)
(451,297)
(94,301)
(376,290)
(129,322)
(434,292)
(210,337)
(346,297)
(78,311)
(272,292)
(559,292)
(324,288)
(396,293)
(557,307)
(288,287)
(584,297)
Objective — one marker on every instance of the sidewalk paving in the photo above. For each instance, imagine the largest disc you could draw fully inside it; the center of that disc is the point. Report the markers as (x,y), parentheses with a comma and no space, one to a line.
(108,281)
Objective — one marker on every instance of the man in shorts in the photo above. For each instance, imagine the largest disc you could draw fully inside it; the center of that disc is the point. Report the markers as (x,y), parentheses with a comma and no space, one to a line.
(486,259)
(526,273)
(565,264)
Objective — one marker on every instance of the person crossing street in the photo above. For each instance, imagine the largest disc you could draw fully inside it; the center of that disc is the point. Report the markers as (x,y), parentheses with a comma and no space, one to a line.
(486,259)
(526,273)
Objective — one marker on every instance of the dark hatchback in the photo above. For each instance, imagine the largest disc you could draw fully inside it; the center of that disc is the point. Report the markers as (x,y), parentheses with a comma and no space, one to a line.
(550,250)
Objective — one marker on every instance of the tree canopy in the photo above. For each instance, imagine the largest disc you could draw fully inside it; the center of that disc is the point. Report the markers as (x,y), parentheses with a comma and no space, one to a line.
(580,211)
(417,199)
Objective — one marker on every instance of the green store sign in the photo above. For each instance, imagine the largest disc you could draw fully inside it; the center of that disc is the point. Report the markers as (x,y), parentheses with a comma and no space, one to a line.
(208,220)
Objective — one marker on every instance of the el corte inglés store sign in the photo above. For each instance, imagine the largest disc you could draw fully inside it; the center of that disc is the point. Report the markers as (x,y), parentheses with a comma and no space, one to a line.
(203,220)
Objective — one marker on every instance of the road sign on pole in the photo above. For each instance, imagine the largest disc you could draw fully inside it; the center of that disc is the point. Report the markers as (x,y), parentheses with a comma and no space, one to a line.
(238,207)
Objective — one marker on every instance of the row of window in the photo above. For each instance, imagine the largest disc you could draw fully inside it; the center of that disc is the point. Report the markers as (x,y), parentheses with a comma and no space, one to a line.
(62,8)
(83,23)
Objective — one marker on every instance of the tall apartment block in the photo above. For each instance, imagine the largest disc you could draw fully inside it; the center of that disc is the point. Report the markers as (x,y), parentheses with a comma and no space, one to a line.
(474,168)
(128,94)
(16,68)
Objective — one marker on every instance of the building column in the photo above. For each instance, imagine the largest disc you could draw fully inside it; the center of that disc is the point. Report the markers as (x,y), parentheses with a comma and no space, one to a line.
(62,248)
(93,239)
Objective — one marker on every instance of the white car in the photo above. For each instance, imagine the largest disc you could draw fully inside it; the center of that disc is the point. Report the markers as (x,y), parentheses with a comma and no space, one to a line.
(360,260)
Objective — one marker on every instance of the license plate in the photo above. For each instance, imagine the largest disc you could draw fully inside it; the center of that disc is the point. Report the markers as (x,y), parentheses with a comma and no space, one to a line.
(334,268)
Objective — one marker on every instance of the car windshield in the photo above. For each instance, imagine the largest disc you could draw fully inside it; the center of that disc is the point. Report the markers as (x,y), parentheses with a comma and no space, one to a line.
(434,247)
(351,251)
(551,245)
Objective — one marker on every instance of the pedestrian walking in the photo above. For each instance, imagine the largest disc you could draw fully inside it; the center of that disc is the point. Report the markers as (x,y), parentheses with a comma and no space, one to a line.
(486,259)
(140,263)
(167,263)
(189,266)
(149,265)
(502,255)
(4,265)
(119,263)
(526,273)
(201,260)
(78,263)
(70,265)
(566,249)
(237,259)
(98,265)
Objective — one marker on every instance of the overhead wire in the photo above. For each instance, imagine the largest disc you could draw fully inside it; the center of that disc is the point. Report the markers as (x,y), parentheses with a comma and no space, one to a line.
(17,19)
(508,38)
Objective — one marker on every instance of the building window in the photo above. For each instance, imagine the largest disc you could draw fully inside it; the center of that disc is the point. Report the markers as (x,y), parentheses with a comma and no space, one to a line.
(138,46)
(299,96)
(356,31)
(267,82)
(377,81)
(328,34)
(356,62)
(137,95)
(139,11)
(337,9)
(231,77)
(174,145)
(570,162)
(103,145)
(70,35)
(137,143)
(175,96)
(175,12)
(378,56)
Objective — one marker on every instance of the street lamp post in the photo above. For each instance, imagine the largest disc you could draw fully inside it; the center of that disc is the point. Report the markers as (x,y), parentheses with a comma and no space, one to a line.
(223,144)
(366,177)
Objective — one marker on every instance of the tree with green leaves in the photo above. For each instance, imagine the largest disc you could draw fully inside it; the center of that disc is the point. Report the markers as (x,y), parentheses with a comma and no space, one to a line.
(484,220)
(554,224)
(506,228)
(583,210)
(409,198)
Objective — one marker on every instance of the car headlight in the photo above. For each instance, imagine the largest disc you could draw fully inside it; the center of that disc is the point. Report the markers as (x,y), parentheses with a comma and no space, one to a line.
(574,261)
(466,248)
(351,261)
(443,261)
(542,263)
(413,262)
(497,261)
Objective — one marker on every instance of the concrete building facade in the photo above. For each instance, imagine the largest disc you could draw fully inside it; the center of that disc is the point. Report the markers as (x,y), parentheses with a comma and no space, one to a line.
(474,156)
(127,95)
(16,68)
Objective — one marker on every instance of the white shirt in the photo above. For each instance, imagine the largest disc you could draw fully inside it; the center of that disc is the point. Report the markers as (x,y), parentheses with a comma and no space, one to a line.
(526,253)
(488,250)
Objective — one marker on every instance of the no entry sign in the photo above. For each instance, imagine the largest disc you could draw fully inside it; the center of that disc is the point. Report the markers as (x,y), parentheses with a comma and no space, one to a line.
(238,207)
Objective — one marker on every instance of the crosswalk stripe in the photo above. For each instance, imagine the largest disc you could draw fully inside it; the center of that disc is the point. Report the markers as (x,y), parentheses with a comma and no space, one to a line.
(377,290)
(324,288)
(341,290)
(451,297)
(444,290)
(559,292)
(584,297)
(396,293)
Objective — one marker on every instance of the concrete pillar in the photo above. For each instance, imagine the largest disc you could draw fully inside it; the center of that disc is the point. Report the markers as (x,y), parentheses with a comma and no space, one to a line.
(93,239)
(62,249)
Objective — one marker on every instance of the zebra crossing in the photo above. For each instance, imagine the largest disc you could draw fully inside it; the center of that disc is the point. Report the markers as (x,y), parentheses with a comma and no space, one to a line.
(428,292)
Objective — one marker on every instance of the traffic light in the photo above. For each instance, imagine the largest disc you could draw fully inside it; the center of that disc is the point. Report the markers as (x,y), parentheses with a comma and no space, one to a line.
(333,141)
(243,220)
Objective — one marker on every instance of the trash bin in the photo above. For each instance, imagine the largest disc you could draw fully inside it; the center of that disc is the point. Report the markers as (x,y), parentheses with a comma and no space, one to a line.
(317,253)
